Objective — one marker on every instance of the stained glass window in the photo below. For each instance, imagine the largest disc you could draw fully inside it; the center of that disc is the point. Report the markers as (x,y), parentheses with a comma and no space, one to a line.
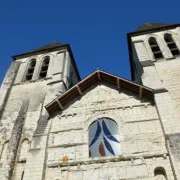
(104,138)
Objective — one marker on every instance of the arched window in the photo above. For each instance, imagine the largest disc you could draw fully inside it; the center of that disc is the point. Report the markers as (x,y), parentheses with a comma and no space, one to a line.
(24,149)
(44,67)
(103,138)
(155,48)
(171,44)
(160,173)
(30,70)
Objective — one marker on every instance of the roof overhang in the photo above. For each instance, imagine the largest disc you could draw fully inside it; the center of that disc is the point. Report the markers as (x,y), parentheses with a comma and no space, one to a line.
(98,76)
(37,52)
(138,33)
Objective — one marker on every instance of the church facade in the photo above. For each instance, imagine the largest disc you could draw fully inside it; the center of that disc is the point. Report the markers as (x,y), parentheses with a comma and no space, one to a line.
(55,126)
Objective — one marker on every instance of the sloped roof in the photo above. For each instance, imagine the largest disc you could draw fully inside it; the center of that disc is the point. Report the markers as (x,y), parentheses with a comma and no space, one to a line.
(150,26)
(78,90)
(47,46)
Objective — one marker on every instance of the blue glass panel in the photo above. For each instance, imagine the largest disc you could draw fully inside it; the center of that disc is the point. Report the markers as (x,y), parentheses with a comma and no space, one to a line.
(108,133)
(98,132)
(108,146)
(104,138)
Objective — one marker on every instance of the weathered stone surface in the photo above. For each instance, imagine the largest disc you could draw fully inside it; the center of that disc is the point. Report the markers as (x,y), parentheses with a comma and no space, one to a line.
(34,126)
(13,144)
(140,131)
(163,74)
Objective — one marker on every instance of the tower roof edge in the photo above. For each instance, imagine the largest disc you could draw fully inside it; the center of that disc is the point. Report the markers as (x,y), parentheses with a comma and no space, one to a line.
(152,27)
(49,48)
(45,48)
(145,29)
(149,26)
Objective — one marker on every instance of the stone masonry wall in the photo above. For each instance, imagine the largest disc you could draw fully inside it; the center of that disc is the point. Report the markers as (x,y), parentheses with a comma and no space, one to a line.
(141,138)
(169,74)
(138,169)
(35,125)
(162,73)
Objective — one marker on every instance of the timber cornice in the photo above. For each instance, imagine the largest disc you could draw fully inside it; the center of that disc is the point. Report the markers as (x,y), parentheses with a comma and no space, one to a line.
(98,76)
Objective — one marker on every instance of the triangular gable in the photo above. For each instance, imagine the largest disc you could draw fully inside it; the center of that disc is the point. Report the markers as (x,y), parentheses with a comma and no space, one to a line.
(78,90)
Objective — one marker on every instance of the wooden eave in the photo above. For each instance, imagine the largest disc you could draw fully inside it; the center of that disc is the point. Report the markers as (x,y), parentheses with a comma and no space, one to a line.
(98,76)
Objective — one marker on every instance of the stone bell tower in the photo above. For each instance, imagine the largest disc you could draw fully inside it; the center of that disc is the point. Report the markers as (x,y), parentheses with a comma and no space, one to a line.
(154,54)
(33,80)
(154,51)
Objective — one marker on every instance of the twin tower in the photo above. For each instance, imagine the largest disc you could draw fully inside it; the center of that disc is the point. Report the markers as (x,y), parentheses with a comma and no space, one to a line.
(55,126)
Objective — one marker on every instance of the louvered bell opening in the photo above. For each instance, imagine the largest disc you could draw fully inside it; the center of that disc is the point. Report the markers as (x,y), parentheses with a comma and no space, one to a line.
(155,48)
(44,68)
(30,70)
(171,44)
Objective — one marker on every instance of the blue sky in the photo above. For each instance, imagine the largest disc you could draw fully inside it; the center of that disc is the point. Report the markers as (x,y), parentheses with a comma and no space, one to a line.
(96,30)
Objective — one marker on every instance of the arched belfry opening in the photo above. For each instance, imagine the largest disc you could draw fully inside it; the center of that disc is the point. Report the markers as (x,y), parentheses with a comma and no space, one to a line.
(155,48)
(171,44)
